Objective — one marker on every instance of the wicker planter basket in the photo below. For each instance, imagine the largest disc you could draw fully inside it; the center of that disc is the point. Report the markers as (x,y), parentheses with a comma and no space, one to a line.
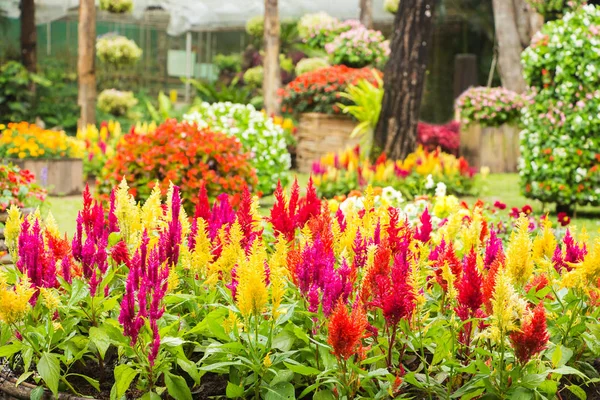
(61,177)
(319,134)
(494,147)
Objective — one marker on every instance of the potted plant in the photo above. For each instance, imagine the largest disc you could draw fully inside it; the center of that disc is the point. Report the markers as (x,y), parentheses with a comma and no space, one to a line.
(314,97)
(489,134)
(53,157)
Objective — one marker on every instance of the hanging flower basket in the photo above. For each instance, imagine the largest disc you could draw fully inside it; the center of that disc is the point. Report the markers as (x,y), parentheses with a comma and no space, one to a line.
(116,6)
(117,50)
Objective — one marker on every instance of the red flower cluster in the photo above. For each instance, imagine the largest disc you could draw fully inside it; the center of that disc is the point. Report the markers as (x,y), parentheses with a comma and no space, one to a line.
(18,187)
(346,329)
(563,219)
(317,91)
(183,154)
(445,136)
(533,336)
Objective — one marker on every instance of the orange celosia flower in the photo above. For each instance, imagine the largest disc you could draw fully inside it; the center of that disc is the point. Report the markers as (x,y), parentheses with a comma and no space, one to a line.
(346,329)
(533,337)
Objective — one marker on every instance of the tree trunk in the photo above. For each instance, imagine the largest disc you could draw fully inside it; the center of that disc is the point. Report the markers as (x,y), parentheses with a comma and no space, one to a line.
(366,13)
(272,76)
(28,35)
(86,60)
(509,45)
(404,78)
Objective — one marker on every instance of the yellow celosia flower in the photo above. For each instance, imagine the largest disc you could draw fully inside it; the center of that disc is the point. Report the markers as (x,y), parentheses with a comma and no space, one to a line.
(544,244)
(201,255)
(278,268)
(267,361)
(231,322)
(444,206)
(152,213)
(12,229)
(252,294)
(232,252)
(50,298)
(51,226)
(519,260)
(128,215)
(173,280)
(507,308)
(472,233)
(14,304)
(584,274)
(449,277)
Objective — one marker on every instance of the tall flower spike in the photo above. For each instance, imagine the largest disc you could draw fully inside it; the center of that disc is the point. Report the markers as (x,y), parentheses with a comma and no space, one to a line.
(533,336)
(346,329)
(519,257)
(424,231)
(252,295)
(469,286)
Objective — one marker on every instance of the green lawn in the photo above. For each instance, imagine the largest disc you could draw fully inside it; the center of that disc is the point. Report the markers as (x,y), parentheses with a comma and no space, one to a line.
(503,187)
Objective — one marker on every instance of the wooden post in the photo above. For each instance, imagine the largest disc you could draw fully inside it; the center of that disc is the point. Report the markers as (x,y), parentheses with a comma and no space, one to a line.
(366,13)
(86,62)
(465,73)
(272,76)
(28,35)
(396,131)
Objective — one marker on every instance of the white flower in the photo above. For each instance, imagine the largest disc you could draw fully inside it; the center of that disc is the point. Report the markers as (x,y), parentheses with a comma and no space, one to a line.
(429,183)
(440,189)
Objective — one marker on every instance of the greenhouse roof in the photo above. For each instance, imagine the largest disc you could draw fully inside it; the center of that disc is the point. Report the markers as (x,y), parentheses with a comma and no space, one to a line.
(198,15)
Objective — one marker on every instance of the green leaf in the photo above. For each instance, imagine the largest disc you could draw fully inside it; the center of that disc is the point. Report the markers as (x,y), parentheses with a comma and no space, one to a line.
(561,355)
(10,349)
(171,341)
(190,367)
(114,238)
(284,341)
(24,377)
(150,396)
(234,391)
(95,384)
(302,369)
(124,375)
(100,339)
(37,393)
(532,381)
(281,391)
(565,370)
(78,292)
(177,387)
(577,391)
(324,395)
(49,369)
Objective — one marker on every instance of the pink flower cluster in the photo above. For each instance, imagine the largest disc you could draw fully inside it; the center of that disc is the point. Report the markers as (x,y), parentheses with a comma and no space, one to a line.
(490,106)
(359,46)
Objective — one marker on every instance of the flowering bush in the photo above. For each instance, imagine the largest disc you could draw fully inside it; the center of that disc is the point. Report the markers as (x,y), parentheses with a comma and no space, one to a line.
(254,76)
(310,64)
(181,153)
(260,137)
(446,137)
(317,91)
(549,8)
(318,29)
(490,106)
(256,26)
(117,50)
(356,303)
(99,145)
(116,6)
(339,174)
(559,146)
(24,140)
(18,188)
(116,102)
(359,47)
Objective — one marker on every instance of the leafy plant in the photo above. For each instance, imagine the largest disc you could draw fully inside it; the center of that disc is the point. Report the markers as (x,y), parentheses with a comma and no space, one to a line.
(490,106)
(16,97)
(220,92)
(18,188)
(228,63)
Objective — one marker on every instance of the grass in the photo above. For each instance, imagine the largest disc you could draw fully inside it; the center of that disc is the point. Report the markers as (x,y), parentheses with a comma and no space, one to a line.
(503,187)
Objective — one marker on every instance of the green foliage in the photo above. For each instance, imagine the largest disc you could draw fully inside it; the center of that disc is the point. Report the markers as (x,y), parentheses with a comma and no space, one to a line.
(365,98)
(228,63)
(116,102)
(253,77)
(311,64)
(256,26)
(116,6)
(560,157)
(552,9)
(221,92)
(63,86)
(16,97)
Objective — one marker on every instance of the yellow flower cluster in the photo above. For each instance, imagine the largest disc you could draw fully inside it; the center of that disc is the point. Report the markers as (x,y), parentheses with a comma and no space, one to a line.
(14,304)
(24,140)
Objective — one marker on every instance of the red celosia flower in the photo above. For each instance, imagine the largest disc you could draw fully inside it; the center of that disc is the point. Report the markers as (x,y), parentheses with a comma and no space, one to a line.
(441,254)
(346,329)
(533,337)
(469,286)
(424,232)
(489,282)
(563,219)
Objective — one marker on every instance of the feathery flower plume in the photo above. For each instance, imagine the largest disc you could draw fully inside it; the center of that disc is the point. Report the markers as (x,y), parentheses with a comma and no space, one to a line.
(249,220)
(12,229)
(444,254)
(493,250)
(469,286)
(533,336)
(519,258)
(507,308)
(14,302)
(252,294)
(346,329)
(544,244)
(35,260)
(571,253)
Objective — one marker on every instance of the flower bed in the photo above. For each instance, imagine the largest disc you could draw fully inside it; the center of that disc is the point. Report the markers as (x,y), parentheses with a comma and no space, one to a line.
(340,173)
(358,302)
(259,135)
(18,188)
(99,146)
(182,153)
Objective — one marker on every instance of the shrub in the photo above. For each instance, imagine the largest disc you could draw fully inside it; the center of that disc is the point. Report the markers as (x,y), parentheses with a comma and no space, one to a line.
(116,6)
(318,29)
(254,76)
(24,140)
(559,146)
(490,106)
(359,47)
(18,188)
(117,51)
(260,137)
(446,137)
(182,153)
(317,91)
(310,64)
(256,26)
(116,102)
(341,173)
(391,6)
(228,63)
(16,97)
(555,8)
